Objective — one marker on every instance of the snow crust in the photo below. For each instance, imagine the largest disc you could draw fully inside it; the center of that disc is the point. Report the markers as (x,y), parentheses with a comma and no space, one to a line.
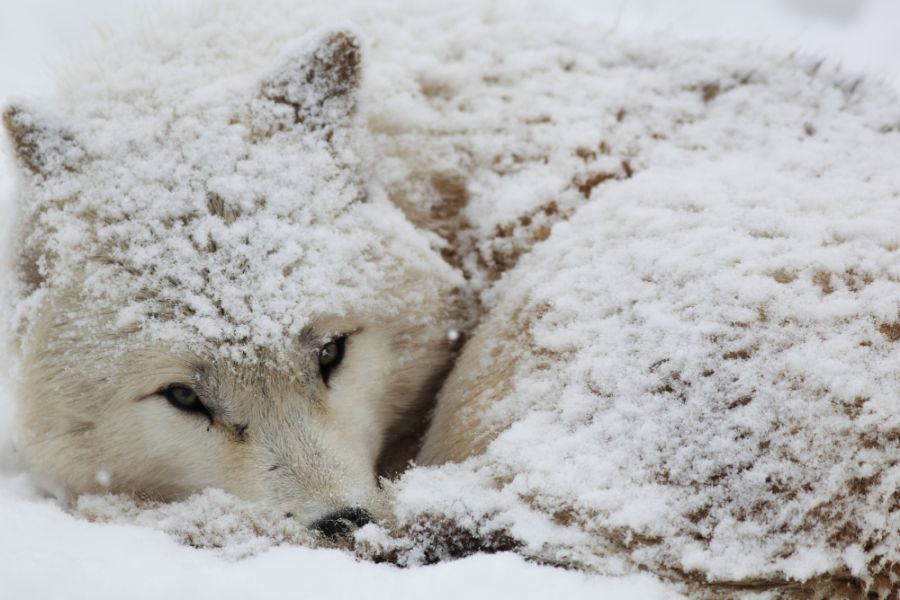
(691,240)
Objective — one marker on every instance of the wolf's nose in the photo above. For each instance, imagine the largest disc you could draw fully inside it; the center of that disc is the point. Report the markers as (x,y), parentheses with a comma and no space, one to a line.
(341,523)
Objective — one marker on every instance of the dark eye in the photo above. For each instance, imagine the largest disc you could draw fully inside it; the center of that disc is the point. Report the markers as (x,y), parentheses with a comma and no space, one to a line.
(330,356)
(184,398)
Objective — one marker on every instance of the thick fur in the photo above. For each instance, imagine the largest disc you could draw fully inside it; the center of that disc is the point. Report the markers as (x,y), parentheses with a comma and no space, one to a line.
(92,407)
(661,235)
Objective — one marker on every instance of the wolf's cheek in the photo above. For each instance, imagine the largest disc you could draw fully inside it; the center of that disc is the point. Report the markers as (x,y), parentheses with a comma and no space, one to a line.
(355,412)
(152,447)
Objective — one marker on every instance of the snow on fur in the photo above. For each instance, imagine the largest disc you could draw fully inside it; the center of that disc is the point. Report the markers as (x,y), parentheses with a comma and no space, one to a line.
(164,195)
(688,246)
(213,520)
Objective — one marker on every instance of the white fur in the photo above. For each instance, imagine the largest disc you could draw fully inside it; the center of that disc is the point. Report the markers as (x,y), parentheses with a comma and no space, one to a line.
(241,316)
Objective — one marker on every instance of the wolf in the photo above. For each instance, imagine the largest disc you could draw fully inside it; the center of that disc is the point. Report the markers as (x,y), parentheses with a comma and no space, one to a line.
(213,292)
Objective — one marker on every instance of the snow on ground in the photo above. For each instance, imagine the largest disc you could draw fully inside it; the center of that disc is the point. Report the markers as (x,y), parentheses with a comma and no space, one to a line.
(103,560)
(45,553)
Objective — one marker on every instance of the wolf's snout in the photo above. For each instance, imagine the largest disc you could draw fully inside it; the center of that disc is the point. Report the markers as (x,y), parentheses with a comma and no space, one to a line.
(342,523)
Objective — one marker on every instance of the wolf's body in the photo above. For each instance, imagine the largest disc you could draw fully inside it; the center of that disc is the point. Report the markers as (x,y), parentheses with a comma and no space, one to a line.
(696,375)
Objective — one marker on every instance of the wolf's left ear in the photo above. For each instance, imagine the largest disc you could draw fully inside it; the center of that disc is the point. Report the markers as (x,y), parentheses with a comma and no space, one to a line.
(319,80)
(41,144)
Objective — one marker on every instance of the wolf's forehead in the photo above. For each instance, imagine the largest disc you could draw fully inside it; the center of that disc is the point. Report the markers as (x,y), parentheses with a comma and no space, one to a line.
(163,166)
(232,240)
(218,238)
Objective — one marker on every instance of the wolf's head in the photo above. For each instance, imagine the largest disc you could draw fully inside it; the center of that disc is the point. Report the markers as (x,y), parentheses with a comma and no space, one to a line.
(213,293)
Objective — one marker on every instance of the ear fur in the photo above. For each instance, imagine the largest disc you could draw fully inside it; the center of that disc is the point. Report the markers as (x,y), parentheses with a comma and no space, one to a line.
(319,80)
(41,145)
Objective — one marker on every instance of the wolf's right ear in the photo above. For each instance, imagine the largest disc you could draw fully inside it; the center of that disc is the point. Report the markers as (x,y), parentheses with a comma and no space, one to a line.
(41,144)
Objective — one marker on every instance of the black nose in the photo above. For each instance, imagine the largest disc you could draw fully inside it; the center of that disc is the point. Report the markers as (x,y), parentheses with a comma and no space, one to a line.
(342,523)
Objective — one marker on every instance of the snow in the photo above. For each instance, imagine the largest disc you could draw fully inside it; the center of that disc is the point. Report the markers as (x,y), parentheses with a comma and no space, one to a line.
(736,208)
(696,397)
(45,553)
(245,187)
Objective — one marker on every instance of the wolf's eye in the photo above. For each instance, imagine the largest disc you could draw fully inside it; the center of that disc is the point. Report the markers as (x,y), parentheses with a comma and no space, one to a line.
(184,398)
(330,356)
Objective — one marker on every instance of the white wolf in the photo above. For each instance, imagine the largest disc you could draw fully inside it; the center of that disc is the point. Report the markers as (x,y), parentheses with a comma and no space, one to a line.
(687,359)
(213,294)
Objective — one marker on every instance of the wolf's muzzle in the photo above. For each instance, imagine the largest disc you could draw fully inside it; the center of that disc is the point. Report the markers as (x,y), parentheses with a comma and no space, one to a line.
(342,523)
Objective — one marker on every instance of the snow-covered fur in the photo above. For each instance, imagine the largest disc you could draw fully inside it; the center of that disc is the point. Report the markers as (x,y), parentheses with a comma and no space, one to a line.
(214,295)
(695,373)
(683,254)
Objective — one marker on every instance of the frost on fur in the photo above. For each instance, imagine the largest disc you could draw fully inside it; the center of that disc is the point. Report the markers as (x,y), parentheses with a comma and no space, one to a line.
(186,255)
(687,362)
(176,215)
(42,145)
(319,81)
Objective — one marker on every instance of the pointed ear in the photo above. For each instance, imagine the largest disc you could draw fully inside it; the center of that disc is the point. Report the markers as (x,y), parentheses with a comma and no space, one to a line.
(43,146)
(319,80)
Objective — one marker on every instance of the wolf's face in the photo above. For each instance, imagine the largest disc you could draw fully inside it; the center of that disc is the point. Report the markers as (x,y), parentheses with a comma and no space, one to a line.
(218,298)
(303,433)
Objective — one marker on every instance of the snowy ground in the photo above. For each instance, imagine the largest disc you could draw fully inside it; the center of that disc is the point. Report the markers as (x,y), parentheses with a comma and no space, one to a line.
(90,560)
